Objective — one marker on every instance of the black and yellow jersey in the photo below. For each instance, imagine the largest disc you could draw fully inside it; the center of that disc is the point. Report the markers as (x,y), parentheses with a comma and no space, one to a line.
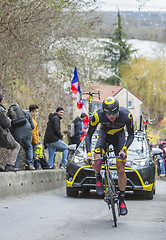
(124,118)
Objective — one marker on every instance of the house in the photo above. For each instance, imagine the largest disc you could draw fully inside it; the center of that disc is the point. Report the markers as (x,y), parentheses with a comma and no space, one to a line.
(134,103)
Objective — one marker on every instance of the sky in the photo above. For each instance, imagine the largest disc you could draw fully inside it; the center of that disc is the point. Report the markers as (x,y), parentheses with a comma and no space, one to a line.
(132,5)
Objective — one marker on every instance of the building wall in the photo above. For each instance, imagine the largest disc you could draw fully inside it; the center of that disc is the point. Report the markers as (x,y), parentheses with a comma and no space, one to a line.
(135,109)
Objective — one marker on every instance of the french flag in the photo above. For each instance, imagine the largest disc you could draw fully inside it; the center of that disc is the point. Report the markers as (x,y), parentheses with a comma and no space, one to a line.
(75,82)
(79,101)
(75,88)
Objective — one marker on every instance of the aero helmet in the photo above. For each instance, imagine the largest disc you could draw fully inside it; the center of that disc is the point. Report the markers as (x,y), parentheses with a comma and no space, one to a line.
(110,105)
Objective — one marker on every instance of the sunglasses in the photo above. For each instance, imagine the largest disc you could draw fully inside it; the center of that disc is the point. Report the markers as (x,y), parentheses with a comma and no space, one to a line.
(111,113)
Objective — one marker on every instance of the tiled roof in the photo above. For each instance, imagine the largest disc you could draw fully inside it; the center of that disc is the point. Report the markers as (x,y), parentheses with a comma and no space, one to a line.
(105,91)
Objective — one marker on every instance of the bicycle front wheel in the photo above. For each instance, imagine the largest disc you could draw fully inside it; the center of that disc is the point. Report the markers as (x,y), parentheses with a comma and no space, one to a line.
(110,193)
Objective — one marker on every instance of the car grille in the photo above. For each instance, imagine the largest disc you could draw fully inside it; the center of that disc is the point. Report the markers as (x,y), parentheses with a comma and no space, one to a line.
(87,177)
(84,173)
(133,177)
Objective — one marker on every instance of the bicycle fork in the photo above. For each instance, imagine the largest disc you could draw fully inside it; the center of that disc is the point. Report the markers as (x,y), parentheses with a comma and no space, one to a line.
(107,198)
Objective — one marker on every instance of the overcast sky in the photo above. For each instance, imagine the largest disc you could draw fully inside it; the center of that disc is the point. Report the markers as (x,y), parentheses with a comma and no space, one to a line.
(132,5)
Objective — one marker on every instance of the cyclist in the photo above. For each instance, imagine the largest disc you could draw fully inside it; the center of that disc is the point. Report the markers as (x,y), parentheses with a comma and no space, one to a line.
(113,119)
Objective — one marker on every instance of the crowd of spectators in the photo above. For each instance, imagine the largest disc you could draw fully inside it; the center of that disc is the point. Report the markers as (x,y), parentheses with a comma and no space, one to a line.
(19,129)
(161,159)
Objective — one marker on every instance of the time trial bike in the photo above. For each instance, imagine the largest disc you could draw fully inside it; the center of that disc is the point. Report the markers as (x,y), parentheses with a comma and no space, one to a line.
(110,189)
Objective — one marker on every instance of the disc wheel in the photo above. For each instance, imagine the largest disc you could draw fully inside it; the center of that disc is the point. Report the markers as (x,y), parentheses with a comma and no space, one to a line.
(111,202)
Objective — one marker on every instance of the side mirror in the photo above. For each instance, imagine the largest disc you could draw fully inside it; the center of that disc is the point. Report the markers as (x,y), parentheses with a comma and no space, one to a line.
(72,147)
(156,151)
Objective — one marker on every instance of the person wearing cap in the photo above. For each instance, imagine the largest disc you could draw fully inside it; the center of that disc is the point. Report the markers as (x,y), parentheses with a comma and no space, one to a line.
(53,138)
(6,138)
(113,120)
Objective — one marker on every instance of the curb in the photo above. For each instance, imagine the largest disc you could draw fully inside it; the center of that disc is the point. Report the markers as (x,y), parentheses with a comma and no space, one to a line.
(23,183)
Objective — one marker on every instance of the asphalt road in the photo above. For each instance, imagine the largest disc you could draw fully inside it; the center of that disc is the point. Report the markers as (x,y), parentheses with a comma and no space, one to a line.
(52,215)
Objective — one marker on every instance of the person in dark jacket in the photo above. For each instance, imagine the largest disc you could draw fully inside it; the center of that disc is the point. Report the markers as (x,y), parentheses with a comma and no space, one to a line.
(53,138)
(6,138)
(78,129)
(23,135)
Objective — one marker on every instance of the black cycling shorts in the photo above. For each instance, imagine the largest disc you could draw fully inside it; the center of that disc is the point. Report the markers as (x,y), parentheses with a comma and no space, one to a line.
(117,141)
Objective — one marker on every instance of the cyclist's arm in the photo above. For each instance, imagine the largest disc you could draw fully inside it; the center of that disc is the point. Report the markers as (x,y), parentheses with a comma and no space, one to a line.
(93,125)
(88,139)
(130,138)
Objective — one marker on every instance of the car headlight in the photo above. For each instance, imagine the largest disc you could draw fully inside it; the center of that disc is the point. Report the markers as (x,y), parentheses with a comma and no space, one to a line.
(141,162)
(78,160)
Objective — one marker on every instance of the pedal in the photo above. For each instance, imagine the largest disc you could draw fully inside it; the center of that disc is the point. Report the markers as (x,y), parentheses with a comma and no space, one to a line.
(107,200)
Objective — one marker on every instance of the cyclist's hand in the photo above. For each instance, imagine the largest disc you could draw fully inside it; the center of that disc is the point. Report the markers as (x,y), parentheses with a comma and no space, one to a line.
(122,154)
(88,160)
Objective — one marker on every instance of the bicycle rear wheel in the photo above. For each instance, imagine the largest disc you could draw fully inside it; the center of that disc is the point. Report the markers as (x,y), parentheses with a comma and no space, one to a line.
(111,197)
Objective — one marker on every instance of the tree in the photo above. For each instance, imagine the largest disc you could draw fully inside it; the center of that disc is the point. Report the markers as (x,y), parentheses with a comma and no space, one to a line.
(116,52)
(29,32)
(146,78)
(29,28)
(32,34)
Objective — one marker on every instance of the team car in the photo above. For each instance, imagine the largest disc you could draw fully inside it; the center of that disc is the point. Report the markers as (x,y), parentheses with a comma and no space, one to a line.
(140,168)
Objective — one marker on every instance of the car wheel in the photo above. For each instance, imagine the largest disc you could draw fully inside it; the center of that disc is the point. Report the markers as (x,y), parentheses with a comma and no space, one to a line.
(71,192)
(149,195)
(154,192)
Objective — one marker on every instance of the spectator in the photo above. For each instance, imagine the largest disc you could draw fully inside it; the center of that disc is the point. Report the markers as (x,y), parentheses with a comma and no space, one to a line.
(164,154)
(158,157)
(38,151)
(41,157)
(6,138)
(53,138)
(78,129)
(33,109)
(23,135)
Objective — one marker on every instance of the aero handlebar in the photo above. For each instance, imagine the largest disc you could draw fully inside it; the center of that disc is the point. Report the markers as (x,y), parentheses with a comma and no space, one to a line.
(102,158)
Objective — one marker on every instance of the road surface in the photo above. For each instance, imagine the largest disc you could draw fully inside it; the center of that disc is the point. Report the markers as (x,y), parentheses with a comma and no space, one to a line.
(54,216)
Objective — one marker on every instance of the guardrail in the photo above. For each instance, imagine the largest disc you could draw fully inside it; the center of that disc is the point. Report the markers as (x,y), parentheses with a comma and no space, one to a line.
(23,183)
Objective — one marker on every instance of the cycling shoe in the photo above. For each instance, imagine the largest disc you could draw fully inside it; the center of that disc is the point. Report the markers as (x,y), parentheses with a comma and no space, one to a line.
(99,185)
(122,208)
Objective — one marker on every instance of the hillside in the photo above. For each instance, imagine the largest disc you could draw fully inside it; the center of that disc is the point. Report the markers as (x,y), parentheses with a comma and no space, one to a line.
(138,25)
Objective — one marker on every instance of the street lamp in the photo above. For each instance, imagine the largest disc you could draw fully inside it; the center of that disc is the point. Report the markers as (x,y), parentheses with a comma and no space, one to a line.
(125,88)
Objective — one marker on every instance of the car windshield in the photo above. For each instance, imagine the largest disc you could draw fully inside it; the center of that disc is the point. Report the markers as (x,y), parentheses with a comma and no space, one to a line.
(138,149)
(136,152)
(81,150)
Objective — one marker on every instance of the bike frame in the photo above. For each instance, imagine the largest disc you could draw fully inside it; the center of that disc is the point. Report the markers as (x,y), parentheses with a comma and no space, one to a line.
(111,195)
(110,189)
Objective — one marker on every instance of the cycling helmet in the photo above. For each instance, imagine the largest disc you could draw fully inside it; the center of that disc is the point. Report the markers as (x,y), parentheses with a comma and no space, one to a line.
(110,105)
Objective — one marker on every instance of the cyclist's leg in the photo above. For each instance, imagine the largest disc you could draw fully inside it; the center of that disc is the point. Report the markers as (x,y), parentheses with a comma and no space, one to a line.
(101,142)
(122,179)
